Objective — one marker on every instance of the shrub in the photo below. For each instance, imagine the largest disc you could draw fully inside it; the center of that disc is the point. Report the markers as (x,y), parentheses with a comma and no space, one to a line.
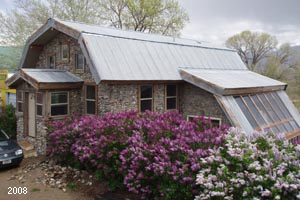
(262,166)
(155,155)
(8,121)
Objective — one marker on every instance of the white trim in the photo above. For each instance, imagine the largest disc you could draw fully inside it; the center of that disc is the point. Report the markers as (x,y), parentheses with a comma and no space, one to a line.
(205,117)
(58,104)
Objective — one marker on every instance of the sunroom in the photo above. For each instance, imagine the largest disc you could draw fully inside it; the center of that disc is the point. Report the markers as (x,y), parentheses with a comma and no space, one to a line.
(250,101)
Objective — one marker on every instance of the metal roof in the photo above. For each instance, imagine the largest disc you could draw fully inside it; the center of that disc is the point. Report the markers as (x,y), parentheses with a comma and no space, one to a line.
(52,76)
(228,82)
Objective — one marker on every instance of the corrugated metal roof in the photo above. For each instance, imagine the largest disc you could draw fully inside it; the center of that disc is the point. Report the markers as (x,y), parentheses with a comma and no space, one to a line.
(227,82)
(52,76)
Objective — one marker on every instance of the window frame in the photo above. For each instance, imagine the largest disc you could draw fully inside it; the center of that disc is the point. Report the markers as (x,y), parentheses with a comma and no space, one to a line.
(76,63)
(58,104)
(171,97)
(48,61)
(20,101)
(40,104)
(62,45)
(91,100)
(267,106)
(190,117)
(146,99)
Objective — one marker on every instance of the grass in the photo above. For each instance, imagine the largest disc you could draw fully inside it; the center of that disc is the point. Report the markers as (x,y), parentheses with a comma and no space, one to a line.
(71,186)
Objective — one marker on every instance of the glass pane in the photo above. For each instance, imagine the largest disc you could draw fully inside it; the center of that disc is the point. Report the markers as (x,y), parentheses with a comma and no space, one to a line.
(262,110)
(146,91)
(274,129)
(146,105)
(268,107)
(51,62)
(59,110)
(246,112)
(294,125)
(289,127)
(39,98)
(20,96)
(20,107)
(171,103)
(59,98)
(39,110)
(254,110)
(90,107)
(79,61)
(281,105)
(275,106)
(65,51)
(171,90)
(282,129)
(90,92)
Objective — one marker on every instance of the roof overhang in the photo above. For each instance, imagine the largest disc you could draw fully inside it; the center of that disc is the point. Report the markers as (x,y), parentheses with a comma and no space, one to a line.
(230,82)
(45,79)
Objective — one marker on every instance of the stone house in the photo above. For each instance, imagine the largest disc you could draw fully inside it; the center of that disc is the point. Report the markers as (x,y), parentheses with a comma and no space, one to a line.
(70,68)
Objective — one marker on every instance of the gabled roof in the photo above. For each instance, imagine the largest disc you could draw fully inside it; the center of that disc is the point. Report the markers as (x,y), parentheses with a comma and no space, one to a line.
(45,79)
(125,55)
(230,82)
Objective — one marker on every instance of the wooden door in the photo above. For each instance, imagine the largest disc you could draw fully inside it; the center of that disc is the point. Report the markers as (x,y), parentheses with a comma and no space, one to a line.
(31,114)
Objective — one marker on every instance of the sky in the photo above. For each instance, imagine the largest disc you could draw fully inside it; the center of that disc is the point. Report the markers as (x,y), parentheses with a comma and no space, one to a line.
(216,20)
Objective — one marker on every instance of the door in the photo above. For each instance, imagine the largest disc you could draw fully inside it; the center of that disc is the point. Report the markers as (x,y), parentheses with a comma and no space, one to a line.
(31,114)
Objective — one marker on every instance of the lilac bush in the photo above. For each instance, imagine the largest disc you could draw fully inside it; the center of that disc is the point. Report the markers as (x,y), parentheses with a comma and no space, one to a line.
(155,155)
(261,166)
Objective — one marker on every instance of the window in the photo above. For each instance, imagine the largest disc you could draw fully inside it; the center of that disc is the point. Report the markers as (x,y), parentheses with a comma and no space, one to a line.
(51,62)
(64,51)
(215,122)
(59,103)
(267,111)
(146,98)
(39,103)
(90,99)
(79,62)
(20,99)
(171,97)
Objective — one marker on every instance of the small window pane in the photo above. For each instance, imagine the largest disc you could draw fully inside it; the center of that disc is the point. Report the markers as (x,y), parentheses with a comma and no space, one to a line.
(146,91)
(282,129)
(262,110)
(20,107)
(90,107)
(275,130)
(59,110)
(275,106)
(39,98)
(79,61)
(39,110)
(294,125)
(171,103)
(20,96)
(59,98)
(64,51)
(146,105)
(51,62)
(289,127)
(246,112)
(268,107)
(90,92)
(282,106)
(255,112)
(171,90)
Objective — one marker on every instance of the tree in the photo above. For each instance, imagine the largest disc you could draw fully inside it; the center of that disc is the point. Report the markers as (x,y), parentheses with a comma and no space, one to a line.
(154,16)
(252,46)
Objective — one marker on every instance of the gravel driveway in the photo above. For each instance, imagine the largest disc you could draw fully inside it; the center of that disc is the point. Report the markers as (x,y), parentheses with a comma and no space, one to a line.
(21,180)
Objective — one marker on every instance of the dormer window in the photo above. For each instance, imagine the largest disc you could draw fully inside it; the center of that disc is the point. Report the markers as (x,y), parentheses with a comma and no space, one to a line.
(51,62)
(64,50)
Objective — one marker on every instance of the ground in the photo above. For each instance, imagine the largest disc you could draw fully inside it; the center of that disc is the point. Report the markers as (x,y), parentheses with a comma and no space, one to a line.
(32,176)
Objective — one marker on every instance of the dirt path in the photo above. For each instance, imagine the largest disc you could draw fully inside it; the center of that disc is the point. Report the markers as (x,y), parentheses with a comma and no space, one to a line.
(35,190)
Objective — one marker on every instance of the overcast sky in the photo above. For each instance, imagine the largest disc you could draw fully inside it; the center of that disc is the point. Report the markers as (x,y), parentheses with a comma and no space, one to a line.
(216,20)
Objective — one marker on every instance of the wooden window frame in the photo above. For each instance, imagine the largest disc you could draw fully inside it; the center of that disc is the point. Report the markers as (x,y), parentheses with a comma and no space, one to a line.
(170,97)
(40,104)
(76,63)
(57,104)
(190,117)
(62,45)
(91,100)
(20,101)
(144,99)
(48,61)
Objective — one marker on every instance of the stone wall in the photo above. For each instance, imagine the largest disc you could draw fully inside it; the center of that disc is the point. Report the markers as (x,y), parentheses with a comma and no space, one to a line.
(196,101)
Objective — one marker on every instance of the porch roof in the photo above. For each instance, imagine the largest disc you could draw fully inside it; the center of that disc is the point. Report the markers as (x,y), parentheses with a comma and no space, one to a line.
(45,79)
